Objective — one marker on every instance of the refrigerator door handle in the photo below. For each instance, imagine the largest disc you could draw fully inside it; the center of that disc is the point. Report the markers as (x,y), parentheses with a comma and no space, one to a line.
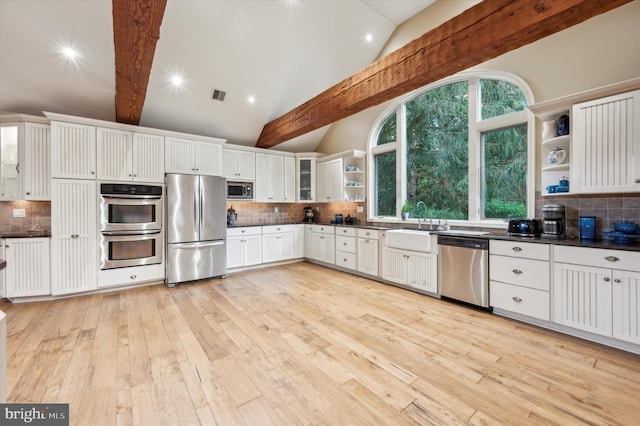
(196,245)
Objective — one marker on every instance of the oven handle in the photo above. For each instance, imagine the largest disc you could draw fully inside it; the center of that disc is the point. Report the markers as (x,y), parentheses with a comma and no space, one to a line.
(146,197)
(116,233)
(197,245)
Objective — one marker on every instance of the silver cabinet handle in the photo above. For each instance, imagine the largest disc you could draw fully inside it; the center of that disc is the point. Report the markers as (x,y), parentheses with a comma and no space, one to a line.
(611,258)
(637,181)
(607,279)
(344,244)
(516,299)
(617,280)
(516,271)
(243,231)
(74,235)
(133,277)
(516,249)
(6,245)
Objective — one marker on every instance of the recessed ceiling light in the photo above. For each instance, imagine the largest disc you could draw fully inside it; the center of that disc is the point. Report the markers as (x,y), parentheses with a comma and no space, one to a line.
(368,37)
(251,100)
(177,80)
(69,52)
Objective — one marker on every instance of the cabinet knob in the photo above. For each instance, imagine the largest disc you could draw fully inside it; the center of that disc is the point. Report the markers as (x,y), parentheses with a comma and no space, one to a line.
(516,249)
(611,258)
(129,174)
(607,279)
(516,271)
(74,235)
(617,280)
(93,173)
(516,299)
(637,181)
(133,277)
(7,245)
(243,231)
(28,193)
(344,244)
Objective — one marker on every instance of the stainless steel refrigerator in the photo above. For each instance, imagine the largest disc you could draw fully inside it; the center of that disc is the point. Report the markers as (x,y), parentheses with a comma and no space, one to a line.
(196,227)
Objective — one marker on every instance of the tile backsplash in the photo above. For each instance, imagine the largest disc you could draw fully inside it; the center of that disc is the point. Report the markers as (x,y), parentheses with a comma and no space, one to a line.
(250,213)
(37,216)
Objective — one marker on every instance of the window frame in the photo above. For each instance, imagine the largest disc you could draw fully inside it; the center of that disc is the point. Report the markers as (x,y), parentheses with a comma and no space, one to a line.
(476,128)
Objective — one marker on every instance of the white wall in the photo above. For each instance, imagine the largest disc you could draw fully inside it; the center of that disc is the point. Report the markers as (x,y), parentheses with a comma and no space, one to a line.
(597,52)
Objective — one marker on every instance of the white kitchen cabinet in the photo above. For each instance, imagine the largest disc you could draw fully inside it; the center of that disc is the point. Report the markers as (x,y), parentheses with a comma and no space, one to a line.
(238,165)
(269,178)
(605,144)
(354,177)
(368,248)
(27,273)
(330,180)
(36,180)
(626,306)
(193,157)
(129,156)
(73,236)
(278,243)
(132,275)
(306,178)
(244,246)
(323,242)
(10,177)
(300,246)
(410,268)
(520,278)
(346,247)
(289,181)
(308,241)
(73,151)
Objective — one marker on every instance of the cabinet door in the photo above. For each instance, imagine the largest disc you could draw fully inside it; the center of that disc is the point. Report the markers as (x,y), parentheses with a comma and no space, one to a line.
(289,180)
(368,256)
(179,156)
(73,151)
(582,298)
(276,169)
(271,248)
(238,165)
(11,136)
(300,243)
(394,265)
(336,181)
(262,187)
(306,179)
(322,185)
(422,272)
(208,159)
(115,153)
(252,254)
(36,181)
(626,306)
(308,242)
(235,250)
(27,272)
(148,158)
(323,247)
(605,144)
(74,263)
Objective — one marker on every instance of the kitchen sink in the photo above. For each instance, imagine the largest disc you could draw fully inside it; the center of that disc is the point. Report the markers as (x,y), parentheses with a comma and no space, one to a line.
(409,239)
(462,232)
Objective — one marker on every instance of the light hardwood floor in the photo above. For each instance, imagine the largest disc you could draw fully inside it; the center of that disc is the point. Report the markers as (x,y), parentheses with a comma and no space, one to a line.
(303,344)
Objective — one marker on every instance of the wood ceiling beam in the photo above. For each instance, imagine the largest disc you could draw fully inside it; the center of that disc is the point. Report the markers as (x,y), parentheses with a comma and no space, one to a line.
(136,30)
(482,32)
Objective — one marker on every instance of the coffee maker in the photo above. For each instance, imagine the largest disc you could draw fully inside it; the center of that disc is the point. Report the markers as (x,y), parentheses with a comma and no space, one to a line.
(308,215)
(554,221)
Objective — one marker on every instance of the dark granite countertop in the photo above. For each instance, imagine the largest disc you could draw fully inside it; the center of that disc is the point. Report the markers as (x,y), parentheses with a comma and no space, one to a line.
(38,234)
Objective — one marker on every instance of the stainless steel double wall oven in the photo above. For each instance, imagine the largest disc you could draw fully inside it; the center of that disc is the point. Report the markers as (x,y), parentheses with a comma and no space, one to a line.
(130,225)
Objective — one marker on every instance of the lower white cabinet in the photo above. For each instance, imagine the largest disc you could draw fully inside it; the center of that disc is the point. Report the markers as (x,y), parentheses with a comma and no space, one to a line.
(346,247)
(323,243)
(244,246)
(73,236)
(368,247)
(278,243)
(130,276)
(626,306)
(298,235)
(410,268)
(27,272)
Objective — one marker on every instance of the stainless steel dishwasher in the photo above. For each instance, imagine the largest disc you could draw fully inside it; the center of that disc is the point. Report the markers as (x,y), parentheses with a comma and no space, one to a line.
(463,269)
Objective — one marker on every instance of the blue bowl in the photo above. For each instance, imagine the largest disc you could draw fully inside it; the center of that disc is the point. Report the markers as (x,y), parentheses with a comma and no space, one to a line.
(626,227)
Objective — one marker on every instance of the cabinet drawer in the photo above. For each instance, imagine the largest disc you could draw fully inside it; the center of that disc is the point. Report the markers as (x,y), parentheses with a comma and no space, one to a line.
(599,258)
(371,234)
(520,300)
(349,232)
(523,272)
(277,229)
(249,230)
(347,244)
(322,229)
(346,260)
(538,251)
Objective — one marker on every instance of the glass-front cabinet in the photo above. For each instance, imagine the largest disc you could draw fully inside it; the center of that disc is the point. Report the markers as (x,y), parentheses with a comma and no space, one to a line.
(306,177)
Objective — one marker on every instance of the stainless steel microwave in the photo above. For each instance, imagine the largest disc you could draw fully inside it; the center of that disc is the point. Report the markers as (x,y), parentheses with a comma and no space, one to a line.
(239,190)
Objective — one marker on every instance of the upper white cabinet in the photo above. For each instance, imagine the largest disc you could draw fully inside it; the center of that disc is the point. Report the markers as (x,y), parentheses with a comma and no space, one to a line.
(129,156)
(341,177)
(238,164)
(289,180)
(73,151)
(193,157)
(329,175)
(306,178)
(269,178)
(25,151)
(606,144)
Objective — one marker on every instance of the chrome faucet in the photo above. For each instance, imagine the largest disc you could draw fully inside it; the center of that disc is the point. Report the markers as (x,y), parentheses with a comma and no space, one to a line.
(424,213)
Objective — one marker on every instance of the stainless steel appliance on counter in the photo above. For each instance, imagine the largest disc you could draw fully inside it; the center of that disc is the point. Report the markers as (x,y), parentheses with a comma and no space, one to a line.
(463,269)
(196,227)
(554,221)
(130,225)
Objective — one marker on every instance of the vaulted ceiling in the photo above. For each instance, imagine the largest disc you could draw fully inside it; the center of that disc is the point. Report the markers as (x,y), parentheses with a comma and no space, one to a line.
(281,52)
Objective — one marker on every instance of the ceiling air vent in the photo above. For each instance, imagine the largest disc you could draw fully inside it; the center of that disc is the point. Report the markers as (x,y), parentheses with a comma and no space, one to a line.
(218,95)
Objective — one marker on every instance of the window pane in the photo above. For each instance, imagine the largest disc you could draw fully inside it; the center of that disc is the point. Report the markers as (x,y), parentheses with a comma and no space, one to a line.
(385,184)
(505,172)
(437,151)
(500,98)
(388,132)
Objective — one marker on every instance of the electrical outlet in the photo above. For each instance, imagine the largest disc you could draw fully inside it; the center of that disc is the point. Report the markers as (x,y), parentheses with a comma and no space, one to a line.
(275,209)
(359,209)
(19,213)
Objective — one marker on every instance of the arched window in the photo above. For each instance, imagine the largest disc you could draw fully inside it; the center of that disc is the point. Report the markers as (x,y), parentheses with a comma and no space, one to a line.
(463,146)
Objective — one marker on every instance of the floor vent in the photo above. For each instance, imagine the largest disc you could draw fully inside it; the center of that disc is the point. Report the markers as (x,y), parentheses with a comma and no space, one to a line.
(218,95)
